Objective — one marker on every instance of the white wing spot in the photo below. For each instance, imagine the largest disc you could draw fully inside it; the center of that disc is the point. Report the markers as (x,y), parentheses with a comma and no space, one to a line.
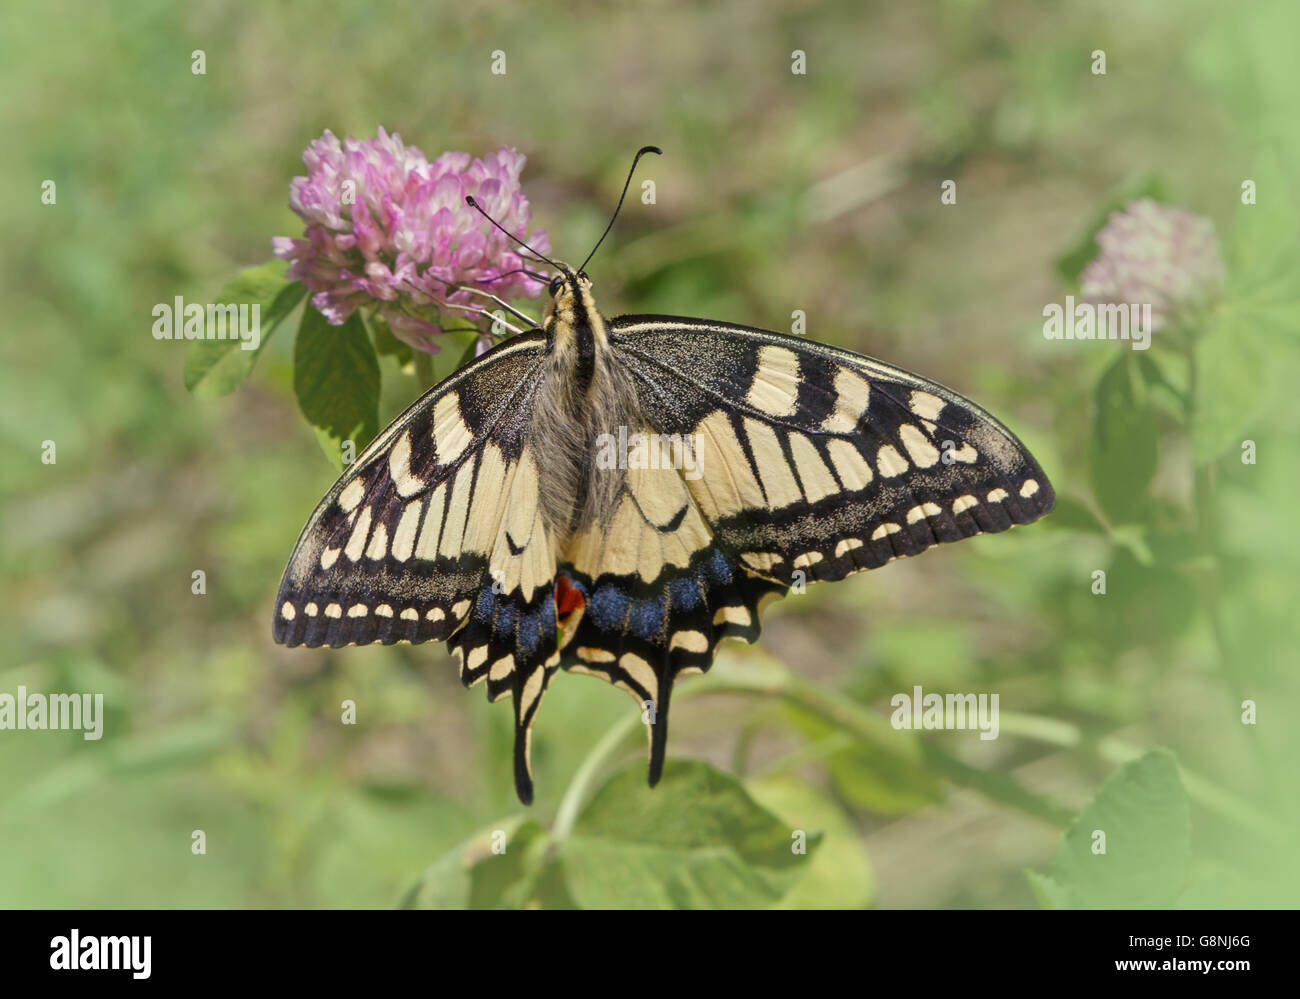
(760,561)
(329,556)
(311,610)
(965,454)
(1029,488)
(594,655)
(333,610)
(884,530)
(409,614)
(775,389)
(358,610)
(435,614)
(927,406)
(851,467)
(964,503)
(890,462)
(807,559)
(919,448)
(384,610)
(450,434)
(357,543)
(287,612)
(378,546)
(852,396)
(997,495)
(353,493)
(733,615)
(847,545)
(407,525)
(923,510)
(399,467)
(690,641)
(642,672)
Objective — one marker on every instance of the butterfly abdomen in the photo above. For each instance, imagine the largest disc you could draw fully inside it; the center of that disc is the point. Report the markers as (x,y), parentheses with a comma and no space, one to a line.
(586,397)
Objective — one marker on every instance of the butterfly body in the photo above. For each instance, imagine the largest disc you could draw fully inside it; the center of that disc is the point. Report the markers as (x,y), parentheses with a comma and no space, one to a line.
(617,497)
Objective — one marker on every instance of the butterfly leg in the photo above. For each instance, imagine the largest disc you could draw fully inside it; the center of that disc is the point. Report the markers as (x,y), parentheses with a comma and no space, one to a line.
(533,323)
(478,312)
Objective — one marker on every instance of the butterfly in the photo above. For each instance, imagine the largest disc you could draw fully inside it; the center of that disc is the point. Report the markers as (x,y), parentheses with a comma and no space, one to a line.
(617,496)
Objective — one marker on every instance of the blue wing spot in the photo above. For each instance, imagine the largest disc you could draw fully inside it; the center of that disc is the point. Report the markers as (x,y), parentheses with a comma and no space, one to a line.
(684,594)
(505,619)
(528,635)
(647,618)
(608,607)
(717,568)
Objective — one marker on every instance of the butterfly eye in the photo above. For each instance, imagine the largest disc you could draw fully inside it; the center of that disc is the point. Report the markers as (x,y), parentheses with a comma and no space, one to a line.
(557,283)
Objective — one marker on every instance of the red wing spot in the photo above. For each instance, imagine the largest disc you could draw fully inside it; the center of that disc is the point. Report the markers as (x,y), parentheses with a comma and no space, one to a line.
(568,599)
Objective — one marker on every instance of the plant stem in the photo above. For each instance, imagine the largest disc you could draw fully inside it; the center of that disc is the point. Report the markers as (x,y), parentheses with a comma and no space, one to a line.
(424,370)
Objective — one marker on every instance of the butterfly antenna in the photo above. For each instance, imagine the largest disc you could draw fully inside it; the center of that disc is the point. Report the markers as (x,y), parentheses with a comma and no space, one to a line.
(628,183)
(469,200)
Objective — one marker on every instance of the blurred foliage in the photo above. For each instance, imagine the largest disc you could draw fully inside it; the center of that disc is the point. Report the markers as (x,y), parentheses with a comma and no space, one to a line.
(778,192)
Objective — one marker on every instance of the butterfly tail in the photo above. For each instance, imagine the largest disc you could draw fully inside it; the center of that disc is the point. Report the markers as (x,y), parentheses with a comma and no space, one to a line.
(659,719)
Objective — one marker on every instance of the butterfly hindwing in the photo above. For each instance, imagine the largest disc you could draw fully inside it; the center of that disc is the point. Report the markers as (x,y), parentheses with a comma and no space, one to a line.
(657,594)
(821,461)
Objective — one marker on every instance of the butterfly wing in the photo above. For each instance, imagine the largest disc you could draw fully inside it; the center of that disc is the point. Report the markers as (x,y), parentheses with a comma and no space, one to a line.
(809,463)
(820,459)
(434,533)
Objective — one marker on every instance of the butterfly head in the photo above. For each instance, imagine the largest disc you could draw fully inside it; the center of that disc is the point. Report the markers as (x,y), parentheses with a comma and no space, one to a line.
(568,282)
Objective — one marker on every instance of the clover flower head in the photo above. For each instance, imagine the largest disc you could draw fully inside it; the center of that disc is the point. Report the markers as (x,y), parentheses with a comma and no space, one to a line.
(387,229)
(1154,253)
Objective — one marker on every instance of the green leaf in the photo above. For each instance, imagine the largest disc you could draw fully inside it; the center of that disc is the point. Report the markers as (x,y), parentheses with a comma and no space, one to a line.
(216,367)
(457,351)
(1233,381)
(468,354)
(839,875)
(1264,252)
(1072,262)
(1122,452)
(386,344)
(1072,515)
(697,841)
(336,379)
(885,778)
(1049,893)
(471,873)
(1142,809)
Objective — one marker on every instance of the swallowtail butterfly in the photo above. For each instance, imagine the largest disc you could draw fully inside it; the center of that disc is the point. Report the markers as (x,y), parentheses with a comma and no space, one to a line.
(617,496)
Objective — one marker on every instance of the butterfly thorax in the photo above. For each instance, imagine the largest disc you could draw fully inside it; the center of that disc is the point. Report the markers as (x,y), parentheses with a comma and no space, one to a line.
(585,394)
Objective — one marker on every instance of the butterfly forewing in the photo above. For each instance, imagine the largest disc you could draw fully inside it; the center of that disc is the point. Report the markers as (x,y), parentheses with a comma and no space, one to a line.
(819,460)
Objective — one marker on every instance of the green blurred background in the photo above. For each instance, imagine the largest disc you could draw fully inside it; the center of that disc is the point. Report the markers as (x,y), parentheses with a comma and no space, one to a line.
(776,192)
